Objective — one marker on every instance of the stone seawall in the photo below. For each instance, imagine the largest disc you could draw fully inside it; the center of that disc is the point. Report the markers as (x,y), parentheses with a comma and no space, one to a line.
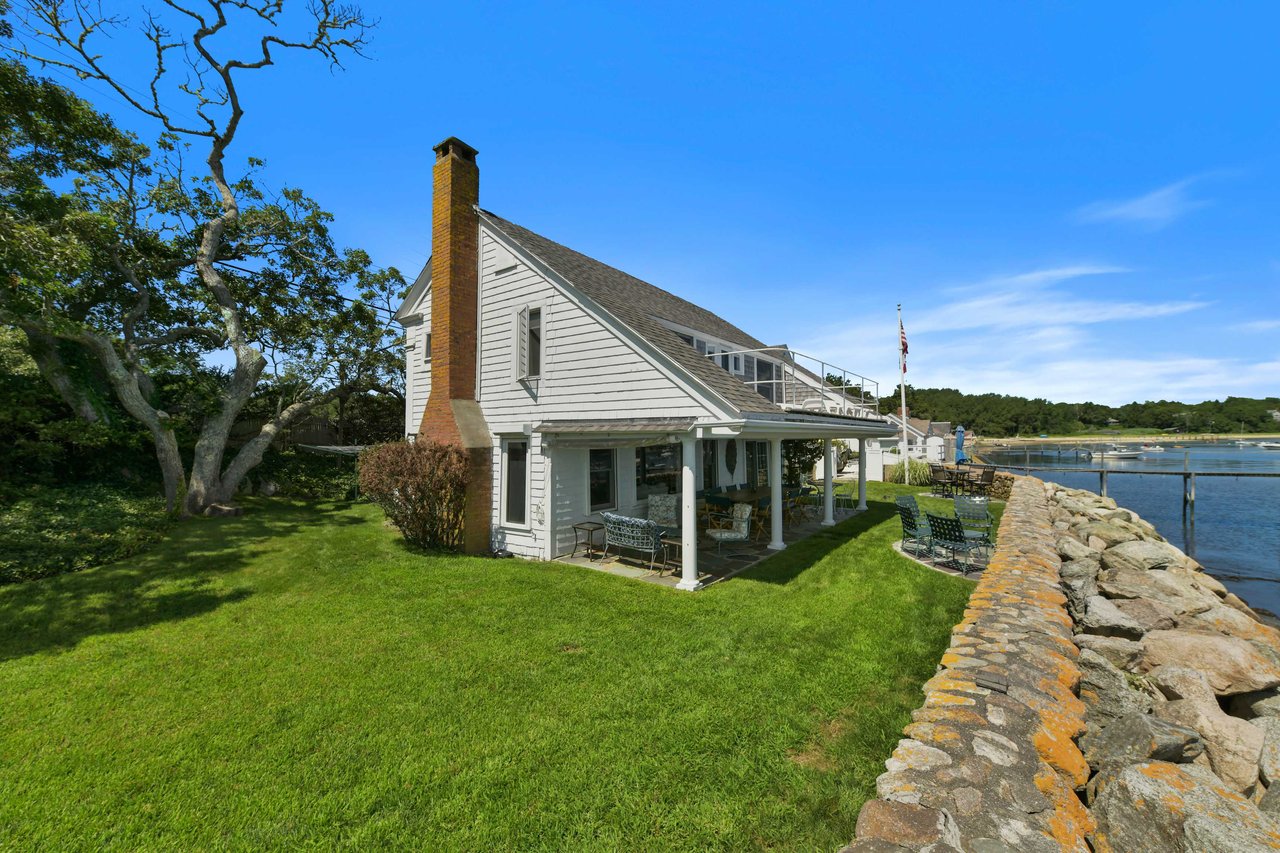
(1101,693)
(989,763)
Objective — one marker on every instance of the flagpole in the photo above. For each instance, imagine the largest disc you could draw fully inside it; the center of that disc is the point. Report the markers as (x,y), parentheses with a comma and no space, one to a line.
(902,387)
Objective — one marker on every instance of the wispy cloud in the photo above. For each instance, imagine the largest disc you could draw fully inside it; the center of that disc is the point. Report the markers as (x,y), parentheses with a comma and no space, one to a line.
(1152,211)
(1258,326)
(1035,333)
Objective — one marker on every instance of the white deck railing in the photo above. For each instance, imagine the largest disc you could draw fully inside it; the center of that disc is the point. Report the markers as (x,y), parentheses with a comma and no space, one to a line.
(800,382)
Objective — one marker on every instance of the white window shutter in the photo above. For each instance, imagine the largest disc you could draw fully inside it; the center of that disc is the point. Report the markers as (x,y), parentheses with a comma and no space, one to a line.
(522,344)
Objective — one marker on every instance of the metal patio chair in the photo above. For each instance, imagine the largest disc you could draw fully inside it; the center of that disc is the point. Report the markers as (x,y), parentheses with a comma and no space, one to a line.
(638,534)
(947,534)
(915,531)
(974,515)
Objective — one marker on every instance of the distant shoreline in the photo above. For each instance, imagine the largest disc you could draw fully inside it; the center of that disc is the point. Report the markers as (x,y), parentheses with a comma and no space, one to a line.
(1165,438)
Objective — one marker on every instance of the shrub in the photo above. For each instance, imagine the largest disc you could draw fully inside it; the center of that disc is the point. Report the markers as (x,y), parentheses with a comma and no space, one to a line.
(51,530)
(422,487)
(919,472)
(298,474)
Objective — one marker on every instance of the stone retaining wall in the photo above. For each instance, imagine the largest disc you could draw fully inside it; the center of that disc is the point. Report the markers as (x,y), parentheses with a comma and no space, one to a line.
(1096,663)
(989,763)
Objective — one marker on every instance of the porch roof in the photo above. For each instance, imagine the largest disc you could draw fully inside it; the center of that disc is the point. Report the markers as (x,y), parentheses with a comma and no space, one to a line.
(617,425)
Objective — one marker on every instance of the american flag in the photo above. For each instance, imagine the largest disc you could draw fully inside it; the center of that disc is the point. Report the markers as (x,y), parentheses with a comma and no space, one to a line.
(902,337)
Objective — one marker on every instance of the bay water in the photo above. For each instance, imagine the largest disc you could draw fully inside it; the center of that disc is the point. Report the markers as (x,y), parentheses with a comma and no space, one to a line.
(1235,530)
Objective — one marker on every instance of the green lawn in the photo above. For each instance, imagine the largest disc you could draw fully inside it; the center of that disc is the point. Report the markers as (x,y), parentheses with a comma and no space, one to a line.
(297,677)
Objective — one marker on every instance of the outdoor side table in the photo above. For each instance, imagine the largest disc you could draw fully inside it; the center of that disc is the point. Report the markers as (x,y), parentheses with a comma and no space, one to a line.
(584,533)
(672,540)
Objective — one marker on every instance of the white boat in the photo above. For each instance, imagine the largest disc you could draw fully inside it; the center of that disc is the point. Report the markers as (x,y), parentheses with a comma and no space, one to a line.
(1152,448)
(1244,444)
(1269,445)
(1116,451)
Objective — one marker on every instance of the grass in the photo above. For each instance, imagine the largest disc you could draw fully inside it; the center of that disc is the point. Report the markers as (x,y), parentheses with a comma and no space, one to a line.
(297,677)
(48,530)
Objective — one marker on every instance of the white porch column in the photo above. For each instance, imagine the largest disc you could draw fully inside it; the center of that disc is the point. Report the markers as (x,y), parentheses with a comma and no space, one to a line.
(688,514)
(862,473)
(775,500)
(828,484)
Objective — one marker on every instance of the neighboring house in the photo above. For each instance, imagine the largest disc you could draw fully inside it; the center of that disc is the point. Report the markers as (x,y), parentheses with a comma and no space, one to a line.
(576,388)
(920,430)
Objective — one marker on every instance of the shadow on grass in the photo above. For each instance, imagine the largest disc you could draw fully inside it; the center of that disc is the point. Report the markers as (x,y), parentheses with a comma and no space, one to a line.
(787,565)
(176,579)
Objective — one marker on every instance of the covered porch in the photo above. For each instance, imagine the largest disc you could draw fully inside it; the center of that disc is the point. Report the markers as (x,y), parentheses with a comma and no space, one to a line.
(672,469)
(714,563)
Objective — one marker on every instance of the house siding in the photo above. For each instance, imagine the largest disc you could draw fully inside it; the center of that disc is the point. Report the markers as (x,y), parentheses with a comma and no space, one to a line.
(522,541)
(417,367)
(588,371)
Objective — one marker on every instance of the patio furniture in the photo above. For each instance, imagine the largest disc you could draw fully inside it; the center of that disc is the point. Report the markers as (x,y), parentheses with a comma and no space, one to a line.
(915,530)
(981,481)
(940,480)
(584,533)
(739,529)
(974,515)
(665,510)
(762,523)
(637,534)
(947,534)
(716,509)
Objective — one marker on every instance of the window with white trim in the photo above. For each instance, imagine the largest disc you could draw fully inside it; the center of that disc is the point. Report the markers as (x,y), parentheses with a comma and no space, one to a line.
(515,482)
(426,347)
(602,479)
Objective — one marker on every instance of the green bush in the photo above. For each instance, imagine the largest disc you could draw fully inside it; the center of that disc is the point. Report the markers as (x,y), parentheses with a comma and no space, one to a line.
(919,472)
(311,476)
(422,487)
(47,530)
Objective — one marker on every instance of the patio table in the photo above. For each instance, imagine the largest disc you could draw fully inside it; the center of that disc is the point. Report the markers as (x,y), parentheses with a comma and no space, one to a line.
(748,496)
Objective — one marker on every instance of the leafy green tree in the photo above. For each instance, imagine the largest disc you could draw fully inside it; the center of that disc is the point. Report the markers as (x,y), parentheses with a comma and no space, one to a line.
(151,266)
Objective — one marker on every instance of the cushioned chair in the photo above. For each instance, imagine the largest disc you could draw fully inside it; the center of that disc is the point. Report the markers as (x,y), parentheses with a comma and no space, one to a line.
(637,534)
(739,529)
(665,511)
(717,509)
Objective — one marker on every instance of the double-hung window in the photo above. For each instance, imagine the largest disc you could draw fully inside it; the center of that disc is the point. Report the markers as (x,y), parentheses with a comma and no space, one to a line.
(515,482)
(602,483)
(528,343)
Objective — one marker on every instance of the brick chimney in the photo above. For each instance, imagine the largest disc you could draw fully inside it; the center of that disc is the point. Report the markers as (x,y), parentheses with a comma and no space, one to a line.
(452,414)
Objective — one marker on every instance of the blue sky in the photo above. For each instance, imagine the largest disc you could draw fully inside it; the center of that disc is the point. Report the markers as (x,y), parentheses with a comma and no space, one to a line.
(1076,201)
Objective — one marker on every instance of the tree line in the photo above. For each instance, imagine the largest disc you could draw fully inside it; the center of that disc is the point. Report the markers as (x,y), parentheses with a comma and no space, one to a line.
(1003,415)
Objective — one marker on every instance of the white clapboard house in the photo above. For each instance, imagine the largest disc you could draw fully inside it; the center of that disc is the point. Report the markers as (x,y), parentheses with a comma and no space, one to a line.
(577,388)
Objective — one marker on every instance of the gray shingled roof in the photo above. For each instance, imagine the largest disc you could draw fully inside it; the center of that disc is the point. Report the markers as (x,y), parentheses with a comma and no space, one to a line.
(640,305)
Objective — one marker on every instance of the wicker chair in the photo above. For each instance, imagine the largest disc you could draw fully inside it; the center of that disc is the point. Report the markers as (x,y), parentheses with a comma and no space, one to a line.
(739,529)
(637,534)
(947,534)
